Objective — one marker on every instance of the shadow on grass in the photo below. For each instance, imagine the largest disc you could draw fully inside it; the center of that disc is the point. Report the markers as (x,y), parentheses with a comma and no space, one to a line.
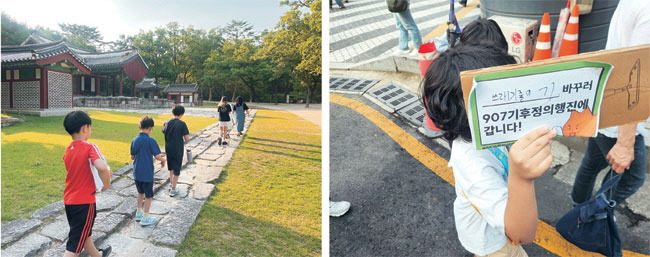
(220,231)
(281,153)
(285,147)
(283,142)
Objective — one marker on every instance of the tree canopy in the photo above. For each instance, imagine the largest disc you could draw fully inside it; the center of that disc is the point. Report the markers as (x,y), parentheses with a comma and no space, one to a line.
(231,60)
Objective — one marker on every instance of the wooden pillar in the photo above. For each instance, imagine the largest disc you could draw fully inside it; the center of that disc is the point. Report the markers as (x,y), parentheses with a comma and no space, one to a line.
(114,88)
(44,78)
(121,84)
(133,93)
(98,83)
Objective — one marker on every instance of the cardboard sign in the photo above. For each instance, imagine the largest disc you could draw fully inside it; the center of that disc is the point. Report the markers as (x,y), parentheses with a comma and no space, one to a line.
(626,97)
(505,105)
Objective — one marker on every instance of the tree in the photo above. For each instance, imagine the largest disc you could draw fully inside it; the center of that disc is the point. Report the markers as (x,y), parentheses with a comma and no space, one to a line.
(82,36)
(13,32)
(236,29)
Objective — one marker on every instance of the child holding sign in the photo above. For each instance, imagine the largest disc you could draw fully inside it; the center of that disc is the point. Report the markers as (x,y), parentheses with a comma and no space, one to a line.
(495,203)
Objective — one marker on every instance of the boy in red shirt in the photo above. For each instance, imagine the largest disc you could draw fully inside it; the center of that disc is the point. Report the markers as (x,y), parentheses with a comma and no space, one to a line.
(79,193)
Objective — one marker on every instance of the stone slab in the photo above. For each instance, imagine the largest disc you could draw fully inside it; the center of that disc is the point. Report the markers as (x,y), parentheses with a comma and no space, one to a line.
(160,208)
(122,183)
(172,230)
(162,174)
(185,178)
(122,245)
(127,207)
(98,236)
(126,168)
(16,229)
(207,174)
(57,230)
(128,191)
(159,251)
(28,246)
(202,191)
(106,222)
(49,210)
(143,232)
(57,251)
(108,201)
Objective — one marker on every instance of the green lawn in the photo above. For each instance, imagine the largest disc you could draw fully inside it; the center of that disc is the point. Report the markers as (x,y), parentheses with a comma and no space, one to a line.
(33,173)
(267,200)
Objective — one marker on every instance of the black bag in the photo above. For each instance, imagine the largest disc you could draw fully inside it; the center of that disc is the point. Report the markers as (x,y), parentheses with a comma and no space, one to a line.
(397,5)
(591,226)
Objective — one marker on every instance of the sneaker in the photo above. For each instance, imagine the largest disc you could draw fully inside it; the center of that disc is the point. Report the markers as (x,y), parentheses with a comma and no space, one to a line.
(148,221)
(224,143)
(219,141)
(172,192)
(106,251)
(337,209)
(413,53)
(138,216)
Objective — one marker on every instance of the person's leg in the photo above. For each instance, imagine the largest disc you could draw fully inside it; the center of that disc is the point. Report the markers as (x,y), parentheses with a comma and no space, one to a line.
(140,199)
(340,3)
(91,249)
(592,162)
(633,178)
(408,22)
(330,4)
(403,34)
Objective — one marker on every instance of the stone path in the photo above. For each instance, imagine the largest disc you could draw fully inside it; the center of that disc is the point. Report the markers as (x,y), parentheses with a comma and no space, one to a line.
(45,232)
(365,29)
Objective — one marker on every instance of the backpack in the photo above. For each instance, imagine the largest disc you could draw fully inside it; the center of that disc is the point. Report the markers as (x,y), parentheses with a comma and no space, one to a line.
(397,5)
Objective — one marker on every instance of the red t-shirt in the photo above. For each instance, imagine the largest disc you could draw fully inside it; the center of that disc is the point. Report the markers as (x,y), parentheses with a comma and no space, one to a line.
(79,183)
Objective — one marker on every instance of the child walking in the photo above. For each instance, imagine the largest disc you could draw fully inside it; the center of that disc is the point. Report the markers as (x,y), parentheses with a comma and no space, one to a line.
(240,108)
(176,135)
(495,210)
(224,120)
(79,192)
(143,148)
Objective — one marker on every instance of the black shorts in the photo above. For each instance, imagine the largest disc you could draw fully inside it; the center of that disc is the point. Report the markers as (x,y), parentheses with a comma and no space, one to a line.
(145,188)
(175,162)
(81,218)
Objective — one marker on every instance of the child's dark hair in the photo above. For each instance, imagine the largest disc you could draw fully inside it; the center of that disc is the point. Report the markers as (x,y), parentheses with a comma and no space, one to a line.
(484,32)
(75,120)
(442,89)
(146,122)
(178,110)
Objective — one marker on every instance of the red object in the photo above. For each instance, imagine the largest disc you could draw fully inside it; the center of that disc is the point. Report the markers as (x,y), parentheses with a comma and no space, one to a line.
(516,38)
(428,121)
(134,69)
(543,46)
(79,183)
(61,57)
(426,50)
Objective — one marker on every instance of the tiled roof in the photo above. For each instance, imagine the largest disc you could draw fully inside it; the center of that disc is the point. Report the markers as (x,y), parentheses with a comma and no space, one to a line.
(37,52)
(45,48)
(148,83)
(179,88)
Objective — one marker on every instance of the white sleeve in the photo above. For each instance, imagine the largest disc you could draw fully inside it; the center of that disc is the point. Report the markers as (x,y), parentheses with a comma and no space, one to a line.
(640,33)
(487,191)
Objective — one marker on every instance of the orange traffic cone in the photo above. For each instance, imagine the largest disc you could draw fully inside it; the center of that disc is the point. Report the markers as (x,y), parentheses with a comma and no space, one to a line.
(570,40)
(543,46)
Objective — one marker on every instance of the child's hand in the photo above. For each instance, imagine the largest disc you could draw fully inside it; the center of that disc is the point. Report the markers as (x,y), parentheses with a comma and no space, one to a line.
(531,156)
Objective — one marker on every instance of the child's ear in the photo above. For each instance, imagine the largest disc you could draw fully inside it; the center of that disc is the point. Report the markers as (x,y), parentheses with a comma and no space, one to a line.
(139,127)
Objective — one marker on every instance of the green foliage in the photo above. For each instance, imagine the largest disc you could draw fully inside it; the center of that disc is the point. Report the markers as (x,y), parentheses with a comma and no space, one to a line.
(13,32)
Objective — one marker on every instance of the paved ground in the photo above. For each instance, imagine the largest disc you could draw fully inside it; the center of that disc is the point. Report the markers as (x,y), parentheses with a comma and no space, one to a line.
(365,29)
(312,114)
(400,207)
(45,233)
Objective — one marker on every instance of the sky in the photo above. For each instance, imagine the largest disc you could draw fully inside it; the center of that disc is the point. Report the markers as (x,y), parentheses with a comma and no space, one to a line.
(116,17)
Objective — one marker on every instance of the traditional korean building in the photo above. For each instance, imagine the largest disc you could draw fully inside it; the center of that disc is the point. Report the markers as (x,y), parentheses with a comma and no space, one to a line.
(185,94)
(149,89)
(42,76)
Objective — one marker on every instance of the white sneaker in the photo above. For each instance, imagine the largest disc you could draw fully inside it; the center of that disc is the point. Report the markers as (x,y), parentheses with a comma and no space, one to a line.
(337,209)
(414,52)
